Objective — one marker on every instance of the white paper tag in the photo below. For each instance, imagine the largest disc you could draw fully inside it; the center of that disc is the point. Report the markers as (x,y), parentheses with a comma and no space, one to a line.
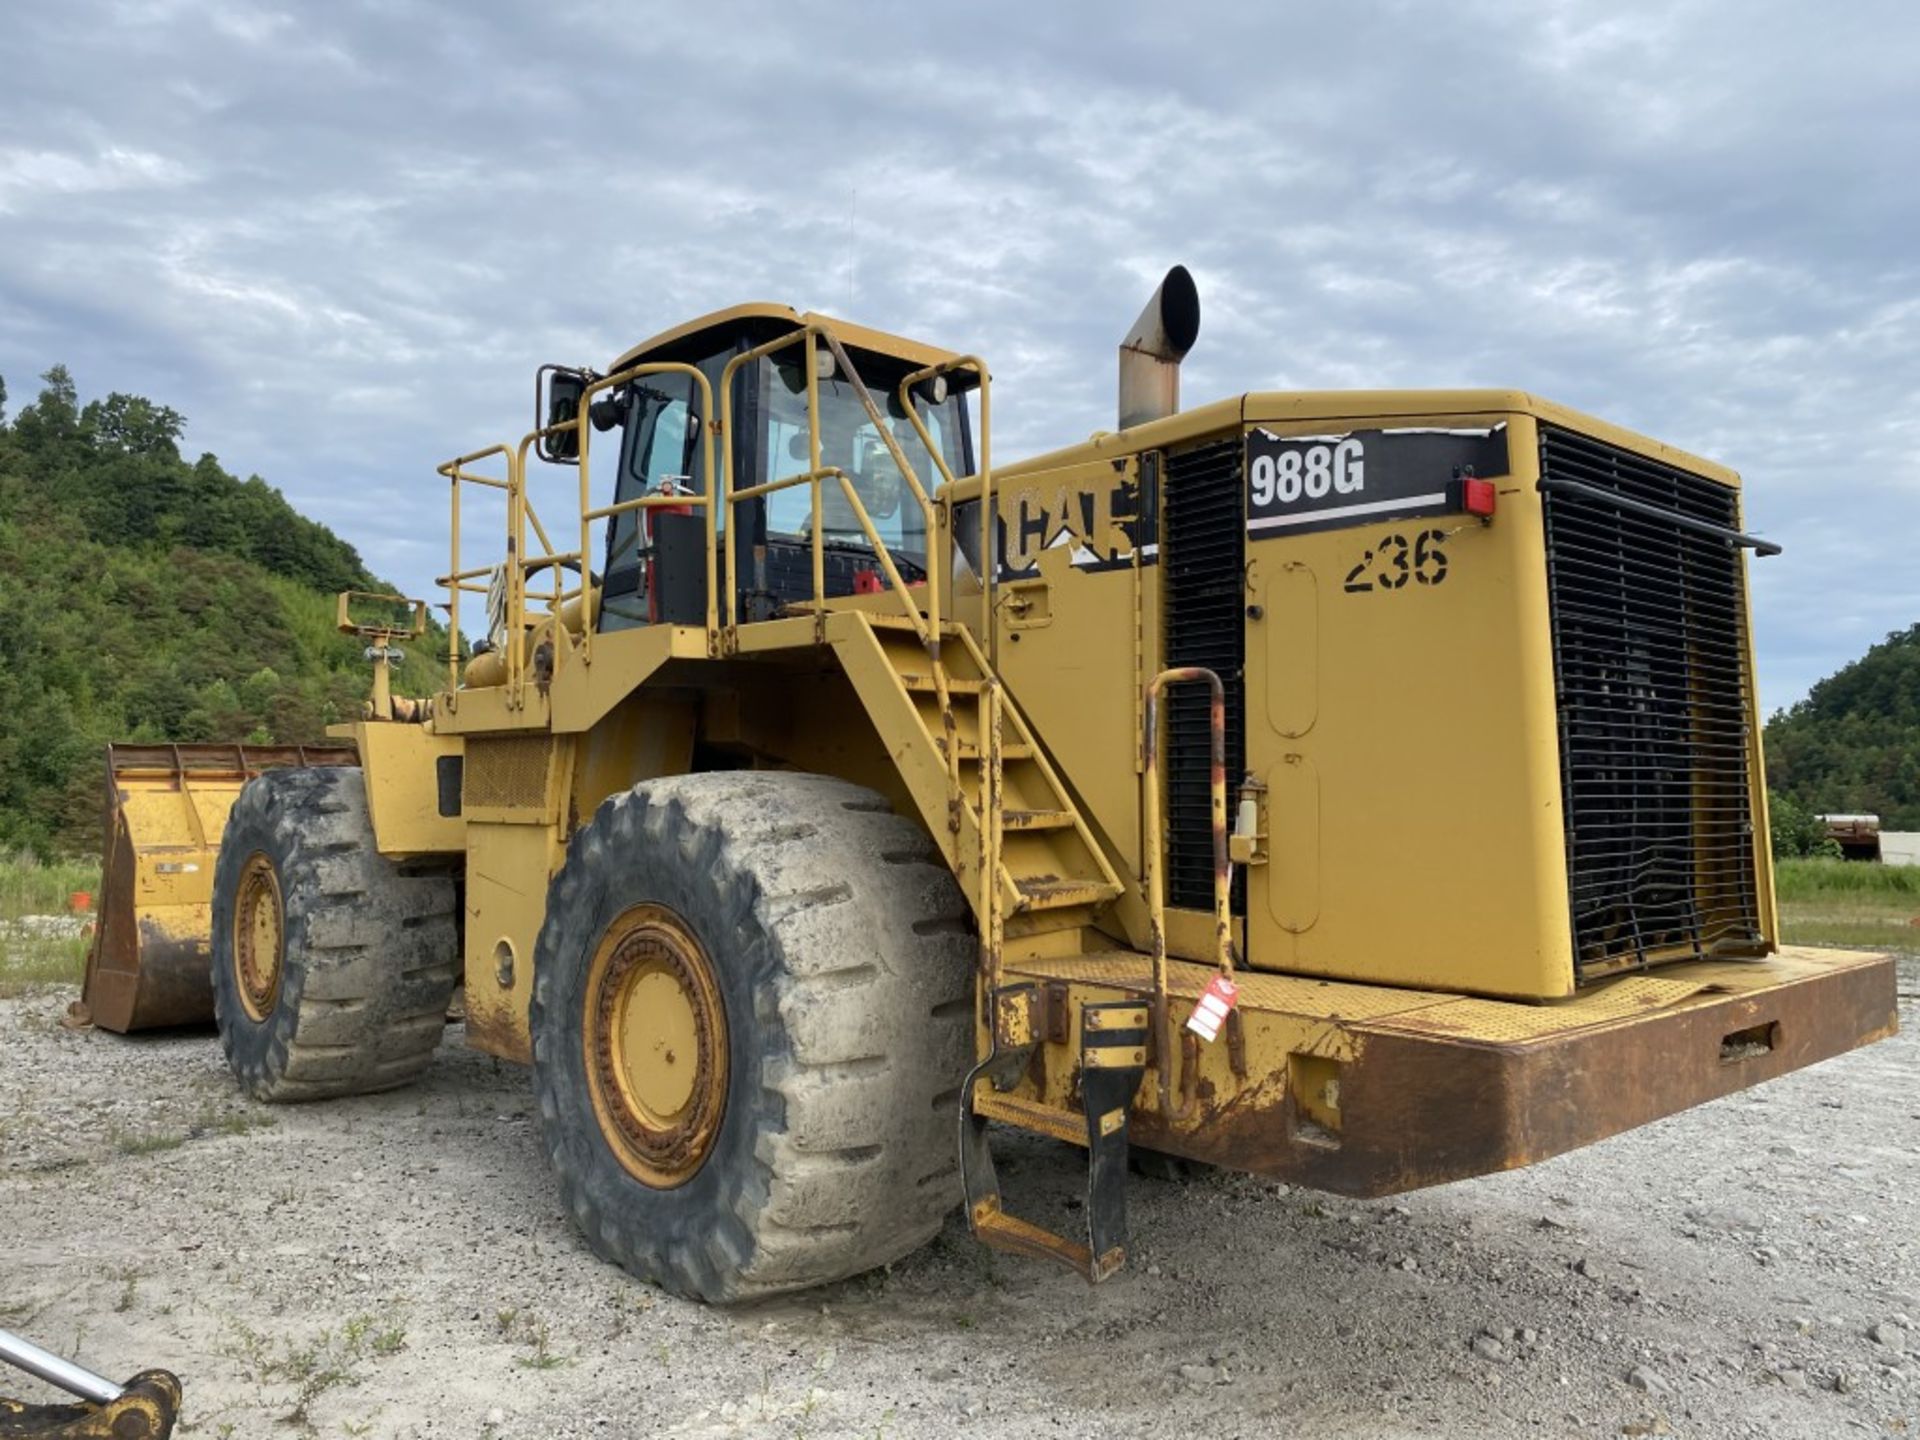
(1210,1011)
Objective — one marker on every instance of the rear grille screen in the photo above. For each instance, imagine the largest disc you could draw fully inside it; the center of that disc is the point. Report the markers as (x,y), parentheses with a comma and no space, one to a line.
(1650,667)
(1203,563)
(509,773)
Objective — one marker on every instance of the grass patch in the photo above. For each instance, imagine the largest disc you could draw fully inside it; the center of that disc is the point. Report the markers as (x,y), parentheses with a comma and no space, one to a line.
(1821,879)
(1840,902)
(147,1142)
(29,962)
(324,1362)
(29,886)
(525,1330)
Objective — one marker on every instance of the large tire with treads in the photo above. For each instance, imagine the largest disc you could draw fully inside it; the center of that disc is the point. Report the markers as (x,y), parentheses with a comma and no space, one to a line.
(751,1017)
(367,950)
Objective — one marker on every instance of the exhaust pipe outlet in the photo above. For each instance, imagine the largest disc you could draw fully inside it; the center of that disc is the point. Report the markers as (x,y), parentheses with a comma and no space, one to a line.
(1150,356)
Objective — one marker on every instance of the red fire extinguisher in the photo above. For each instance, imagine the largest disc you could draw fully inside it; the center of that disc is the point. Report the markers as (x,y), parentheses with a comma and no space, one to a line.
(649,543)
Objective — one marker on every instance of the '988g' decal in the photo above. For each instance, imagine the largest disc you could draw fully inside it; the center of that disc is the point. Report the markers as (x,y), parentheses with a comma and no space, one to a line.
(1301,483)
(1314,472)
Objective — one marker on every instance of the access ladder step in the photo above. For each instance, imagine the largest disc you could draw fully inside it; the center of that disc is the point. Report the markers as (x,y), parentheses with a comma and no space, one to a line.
(1010,1235)
(902,622)
(1036,819)
(927,685)
(1059,894)
(1113,1057)
(1009,750)
(1030,1115)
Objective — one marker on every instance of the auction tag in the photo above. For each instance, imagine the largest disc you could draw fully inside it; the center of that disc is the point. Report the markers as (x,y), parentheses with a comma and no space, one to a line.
(1210,1012)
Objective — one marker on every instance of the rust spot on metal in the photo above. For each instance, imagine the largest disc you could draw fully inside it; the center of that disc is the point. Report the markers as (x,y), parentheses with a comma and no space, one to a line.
(492,1031)
(1237,1043)
(1424,1109)
(1056,1021)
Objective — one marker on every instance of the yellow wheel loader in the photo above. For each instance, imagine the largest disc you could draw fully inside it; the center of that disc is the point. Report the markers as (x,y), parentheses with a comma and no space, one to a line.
(1360,789)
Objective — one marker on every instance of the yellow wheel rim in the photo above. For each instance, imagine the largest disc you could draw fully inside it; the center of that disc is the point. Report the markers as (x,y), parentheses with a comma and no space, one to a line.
(259,937)
(655,1038)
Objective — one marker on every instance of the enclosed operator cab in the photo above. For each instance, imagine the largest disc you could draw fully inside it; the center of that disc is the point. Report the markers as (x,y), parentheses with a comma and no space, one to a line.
(653,559)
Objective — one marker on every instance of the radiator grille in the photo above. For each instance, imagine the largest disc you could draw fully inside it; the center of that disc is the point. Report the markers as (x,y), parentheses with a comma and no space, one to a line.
(1202,565)
(507,774)
(1650,668)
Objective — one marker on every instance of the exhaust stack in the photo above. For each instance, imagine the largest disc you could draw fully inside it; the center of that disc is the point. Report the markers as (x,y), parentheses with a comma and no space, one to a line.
(1150,356)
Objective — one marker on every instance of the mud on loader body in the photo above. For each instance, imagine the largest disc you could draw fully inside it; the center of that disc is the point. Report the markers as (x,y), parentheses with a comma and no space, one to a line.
(1362,789)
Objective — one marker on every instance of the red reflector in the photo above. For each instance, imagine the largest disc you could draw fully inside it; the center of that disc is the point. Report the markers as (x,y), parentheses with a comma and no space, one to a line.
(1476,497)
(867,582)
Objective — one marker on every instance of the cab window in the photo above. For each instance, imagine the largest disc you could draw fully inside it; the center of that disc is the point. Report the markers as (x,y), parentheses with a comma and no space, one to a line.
(851,442)
(659,456)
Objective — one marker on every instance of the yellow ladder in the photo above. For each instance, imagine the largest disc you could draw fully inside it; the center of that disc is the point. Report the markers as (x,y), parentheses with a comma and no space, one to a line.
(1047,869)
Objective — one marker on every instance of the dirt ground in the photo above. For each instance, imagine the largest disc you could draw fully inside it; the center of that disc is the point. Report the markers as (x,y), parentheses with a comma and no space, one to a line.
(398,1266)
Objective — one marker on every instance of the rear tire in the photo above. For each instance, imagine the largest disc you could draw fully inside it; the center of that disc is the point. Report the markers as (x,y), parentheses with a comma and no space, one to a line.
(815,1136)
(332,966)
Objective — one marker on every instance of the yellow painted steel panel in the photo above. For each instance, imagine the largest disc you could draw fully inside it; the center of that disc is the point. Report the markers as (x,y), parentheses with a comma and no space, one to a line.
(1433,752)
(1291,877)
(402,765)
(1287,596)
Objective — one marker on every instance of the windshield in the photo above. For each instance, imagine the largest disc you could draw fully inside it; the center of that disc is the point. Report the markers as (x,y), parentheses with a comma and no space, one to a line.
(850,441)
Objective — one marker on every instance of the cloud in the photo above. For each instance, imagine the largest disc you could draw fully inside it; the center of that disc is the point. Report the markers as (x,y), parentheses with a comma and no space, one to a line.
(340,238)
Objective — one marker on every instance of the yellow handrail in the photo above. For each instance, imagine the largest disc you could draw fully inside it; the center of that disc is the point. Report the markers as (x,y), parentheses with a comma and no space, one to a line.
(987,567)
(716,500)
(521,515)
(453,581)
(992,838)
(926,624)
(704,502)
(1150,841)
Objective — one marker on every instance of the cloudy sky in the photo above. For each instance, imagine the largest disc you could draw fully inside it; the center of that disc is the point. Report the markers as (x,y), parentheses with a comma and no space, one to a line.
(340,237)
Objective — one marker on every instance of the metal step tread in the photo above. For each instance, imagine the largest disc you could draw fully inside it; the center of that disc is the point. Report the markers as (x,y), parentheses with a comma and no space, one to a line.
(1036,819)
(900,622)
(997,1230)
(1053,893)
(1009,750)
(927,685)
(1024,1114)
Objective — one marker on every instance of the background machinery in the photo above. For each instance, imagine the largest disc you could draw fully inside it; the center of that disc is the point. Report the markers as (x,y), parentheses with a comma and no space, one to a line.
(1361,789)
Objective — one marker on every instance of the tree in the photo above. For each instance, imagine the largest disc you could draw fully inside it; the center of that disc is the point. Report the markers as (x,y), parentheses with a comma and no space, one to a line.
(135,425)
(55,416)
(1797,830)
(149,598)
(1854,743)
(3,399)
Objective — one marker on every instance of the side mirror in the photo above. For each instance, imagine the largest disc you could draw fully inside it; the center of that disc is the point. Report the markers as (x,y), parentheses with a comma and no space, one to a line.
(368,614)
(556,393)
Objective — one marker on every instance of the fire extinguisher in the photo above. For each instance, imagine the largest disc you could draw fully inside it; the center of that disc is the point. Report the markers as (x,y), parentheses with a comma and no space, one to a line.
(649,540)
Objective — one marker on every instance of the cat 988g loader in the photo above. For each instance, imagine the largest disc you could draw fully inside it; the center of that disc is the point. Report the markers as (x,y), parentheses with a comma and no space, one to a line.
(1358,789)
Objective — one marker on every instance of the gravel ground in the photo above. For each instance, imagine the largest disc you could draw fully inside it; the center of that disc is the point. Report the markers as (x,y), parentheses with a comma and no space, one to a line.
(399,1266)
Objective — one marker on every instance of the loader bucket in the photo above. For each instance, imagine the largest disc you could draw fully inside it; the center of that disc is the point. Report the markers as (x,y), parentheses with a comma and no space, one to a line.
(166,810)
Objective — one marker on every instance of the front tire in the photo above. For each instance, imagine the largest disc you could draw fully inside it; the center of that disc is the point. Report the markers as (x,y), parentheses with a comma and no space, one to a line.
(751,1016)
(332,966)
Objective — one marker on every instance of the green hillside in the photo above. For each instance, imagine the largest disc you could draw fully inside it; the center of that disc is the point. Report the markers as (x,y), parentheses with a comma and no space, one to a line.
(146,597)
(1854,743)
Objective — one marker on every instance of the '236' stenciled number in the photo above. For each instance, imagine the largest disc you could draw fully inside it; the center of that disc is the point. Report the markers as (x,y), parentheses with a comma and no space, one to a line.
(1392,563)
